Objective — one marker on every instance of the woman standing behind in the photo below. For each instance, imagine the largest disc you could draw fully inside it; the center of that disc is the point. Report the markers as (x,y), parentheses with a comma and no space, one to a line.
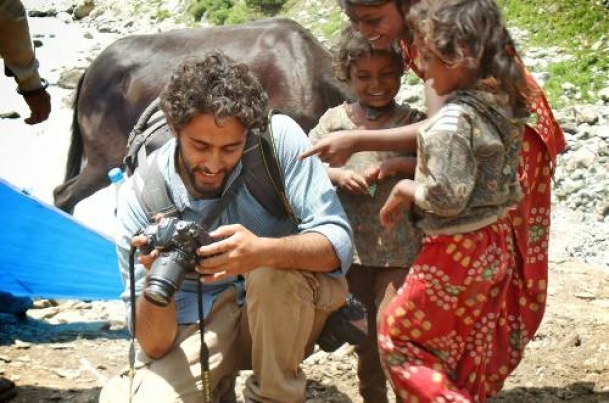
(382,257)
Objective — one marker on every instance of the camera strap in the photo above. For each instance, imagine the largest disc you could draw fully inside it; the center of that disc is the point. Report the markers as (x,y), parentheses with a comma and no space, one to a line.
(204,351)
(133,309)
(226,199)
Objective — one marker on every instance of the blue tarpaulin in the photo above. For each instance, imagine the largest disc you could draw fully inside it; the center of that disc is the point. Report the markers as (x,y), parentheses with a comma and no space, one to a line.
(46,253)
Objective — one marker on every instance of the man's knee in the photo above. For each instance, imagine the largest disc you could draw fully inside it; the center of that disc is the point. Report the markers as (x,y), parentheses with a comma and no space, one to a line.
(270,285)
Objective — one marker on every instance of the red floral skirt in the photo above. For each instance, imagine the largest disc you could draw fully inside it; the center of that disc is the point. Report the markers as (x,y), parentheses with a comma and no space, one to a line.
(471,302)
(454,331)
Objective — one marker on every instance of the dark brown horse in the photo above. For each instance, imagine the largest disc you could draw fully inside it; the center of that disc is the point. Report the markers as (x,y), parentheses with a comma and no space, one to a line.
(293,67)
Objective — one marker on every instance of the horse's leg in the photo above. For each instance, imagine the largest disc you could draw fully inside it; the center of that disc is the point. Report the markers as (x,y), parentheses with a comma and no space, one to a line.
(104,148)
(90,180)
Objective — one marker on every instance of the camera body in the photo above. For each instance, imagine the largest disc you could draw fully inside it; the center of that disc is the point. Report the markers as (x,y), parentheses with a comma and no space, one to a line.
(177,241)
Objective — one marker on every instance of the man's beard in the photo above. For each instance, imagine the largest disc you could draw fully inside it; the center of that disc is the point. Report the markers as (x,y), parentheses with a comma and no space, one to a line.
(202,192)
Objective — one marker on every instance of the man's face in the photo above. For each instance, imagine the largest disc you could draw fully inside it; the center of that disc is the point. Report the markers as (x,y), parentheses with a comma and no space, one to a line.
(208,153)
(381,24)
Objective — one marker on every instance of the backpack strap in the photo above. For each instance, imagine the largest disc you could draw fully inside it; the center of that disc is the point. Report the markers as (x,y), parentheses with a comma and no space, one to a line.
(151,189)
(151,124)
(263,174)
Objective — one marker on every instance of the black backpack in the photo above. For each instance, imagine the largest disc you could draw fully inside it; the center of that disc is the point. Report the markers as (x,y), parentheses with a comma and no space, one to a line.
(260,168)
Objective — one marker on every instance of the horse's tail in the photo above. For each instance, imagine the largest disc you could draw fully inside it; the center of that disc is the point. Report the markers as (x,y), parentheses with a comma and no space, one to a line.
(75,152)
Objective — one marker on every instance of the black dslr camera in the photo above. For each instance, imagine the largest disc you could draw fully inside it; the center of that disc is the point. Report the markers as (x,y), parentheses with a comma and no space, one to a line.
(177,242)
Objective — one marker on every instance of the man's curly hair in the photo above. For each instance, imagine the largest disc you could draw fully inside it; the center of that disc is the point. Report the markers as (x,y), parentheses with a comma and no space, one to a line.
(214,85)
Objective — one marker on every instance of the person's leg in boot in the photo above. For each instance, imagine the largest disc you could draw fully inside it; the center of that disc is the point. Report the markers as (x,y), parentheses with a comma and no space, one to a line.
(284,324)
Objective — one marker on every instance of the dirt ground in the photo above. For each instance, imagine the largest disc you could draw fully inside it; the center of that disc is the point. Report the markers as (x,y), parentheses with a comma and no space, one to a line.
(70,354)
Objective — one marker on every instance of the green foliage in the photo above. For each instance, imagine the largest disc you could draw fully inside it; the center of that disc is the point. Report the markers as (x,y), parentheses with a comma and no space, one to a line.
(324,22)
(197,10)
(411,78)
(242,13)
(220,12)
(332,26)
(267,6)
(162,14)
(579,28)
(215,11)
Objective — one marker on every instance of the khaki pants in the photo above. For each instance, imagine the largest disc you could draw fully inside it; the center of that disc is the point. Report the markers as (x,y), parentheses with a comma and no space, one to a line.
(284,313)
(375,287)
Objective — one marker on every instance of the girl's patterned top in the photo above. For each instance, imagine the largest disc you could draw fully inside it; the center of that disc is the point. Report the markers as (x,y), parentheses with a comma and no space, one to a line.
(467,164)
(374,245)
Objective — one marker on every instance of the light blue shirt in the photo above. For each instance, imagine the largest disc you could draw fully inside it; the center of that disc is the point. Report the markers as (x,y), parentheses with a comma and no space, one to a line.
(309,192)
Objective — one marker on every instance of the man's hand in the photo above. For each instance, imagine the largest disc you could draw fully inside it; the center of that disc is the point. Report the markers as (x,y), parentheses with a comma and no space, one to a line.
(144,259)
(237,252)
(402,194)
(335,149)
(39,102)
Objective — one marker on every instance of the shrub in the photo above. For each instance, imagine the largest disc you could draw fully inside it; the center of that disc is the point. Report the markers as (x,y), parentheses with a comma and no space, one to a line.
(266,6)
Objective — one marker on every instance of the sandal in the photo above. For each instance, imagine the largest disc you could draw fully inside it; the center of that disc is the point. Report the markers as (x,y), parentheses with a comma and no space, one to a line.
(8,390)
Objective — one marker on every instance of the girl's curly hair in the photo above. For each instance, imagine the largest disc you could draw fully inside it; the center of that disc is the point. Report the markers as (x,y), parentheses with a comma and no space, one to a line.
(214,85)
(473,32)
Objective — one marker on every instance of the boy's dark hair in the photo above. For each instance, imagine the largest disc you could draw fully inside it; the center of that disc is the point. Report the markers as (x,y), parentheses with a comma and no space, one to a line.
(214,84)
(354,46)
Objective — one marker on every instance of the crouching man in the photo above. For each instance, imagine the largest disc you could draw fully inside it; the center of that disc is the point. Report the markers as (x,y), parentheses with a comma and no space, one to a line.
(268,283)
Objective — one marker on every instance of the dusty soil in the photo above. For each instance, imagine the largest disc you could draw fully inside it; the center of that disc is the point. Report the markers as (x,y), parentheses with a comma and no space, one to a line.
(72,349)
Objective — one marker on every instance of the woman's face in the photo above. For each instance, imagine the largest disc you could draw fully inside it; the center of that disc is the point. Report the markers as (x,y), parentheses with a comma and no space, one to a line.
(381,24)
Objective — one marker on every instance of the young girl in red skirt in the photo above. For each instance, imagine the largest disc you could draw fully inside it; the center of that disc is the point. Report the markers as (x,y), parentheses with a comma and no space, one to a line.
(383,22)
(455,330)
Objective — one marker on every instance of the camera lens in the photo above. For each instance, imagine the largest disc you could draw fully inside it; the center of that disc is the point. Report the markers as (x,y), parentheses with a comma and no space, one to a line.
(159,292)
(166,276)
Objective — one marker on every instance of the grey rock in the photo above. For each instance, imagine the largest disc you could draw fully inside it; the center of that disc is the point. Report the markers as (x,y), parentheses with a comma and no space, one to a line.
(587,115)
(83,9)
(10,115)
(69,78)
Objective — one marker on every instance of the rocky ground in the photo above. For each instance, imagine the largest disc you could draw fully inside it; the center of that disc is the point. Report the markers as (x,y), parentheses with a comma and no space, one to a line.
(66,350)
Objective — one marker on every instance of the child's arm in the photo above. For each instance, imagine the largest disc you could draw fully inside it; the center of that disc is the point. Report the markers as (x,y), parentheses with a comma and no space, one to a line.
(403,166)
(337,149)
(401,194)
